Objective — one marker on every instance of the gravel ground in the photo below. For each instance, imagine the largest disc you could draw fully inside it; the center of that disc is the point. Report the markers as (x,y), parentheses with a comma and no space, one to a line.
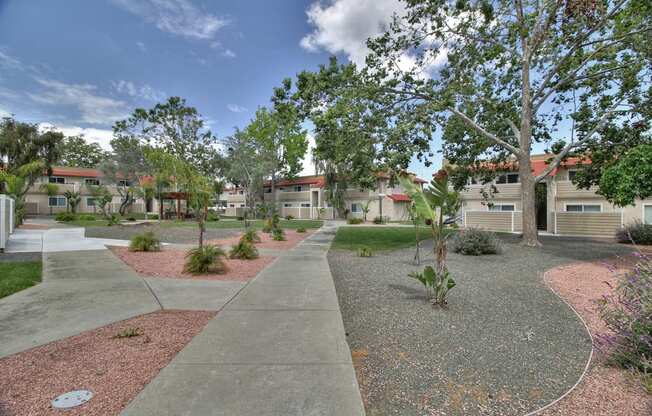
(506,345)
(169,263)
(114,369)
(620,393)
(20,257)
(179,235)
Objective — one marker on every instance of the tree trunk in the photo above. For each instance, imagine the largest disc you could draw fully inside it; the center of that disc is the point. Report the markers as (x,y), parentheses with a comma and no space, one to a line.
(273,188)
(528,201)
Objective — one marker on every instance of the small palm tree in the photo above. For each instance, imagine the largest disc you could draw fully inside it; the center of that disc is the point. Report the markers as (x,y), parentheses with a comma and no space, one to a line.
(51,189)
(365,210)
(73,198)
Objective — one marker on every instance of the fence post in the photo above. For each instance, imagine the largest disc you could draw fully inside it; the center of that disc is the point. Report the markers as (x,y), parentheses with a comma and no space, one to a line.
(555,217)
(12,216)
(513,221)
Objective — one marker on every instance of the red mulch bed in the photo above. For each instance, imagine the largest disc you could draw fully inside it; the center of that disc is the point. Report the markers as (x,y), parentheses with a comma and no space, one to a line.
(114,369)
(604,391)
(33,227)
(169,263)
(292,238)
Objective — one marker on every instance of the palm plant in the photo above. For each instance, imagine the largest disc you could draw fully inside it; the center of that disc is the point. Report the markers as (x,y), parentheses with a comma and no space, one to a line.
(434,204)
(51,189)
(365,210)
(73,199)
(415,218)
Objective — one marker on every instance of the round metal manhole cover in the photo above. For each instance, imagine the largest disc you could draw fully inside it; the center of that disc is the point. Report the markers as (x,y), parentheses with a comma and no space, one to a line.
(72,399)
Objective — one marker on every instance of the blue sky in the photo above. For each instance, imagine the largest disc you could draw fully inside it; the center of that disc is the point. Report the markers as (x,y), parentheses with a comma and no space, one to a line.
(79,65)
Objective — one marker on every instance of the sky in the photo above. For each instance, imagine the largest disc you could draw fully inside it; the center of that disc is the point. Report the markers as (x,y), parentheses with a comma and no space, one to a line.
(80,65)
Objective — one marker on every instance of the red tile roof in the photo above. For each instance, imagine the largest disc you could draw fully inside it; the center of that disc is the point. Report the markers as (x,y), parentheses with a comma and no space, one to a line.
(399,198)
(540,163)
(77,172)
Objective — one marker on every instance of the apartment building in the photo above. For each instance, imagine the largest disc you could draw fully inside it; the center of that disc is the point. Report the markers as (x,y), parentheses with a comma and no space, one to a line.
(305,198)
(562,208)
(76,180)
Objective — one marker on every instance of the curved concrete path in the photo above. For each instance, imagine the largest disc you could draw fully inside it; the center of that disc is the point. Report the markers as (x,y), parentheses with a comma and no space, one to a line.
(277,348)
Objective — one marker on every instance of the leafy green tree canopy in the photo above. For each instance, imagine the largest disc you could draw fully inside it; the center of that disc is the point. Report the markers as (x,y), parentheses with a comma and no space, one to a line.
(75,151)
(629,178)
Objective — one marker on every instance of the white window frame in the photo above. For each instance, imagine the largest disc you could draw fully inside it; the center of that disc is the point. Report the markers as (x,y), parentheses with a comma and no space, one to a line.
(356,204)
(57,177)
(91,179)
(298,188)
(287,205)
(507,175)
(582,205)
(90,201)
(58,198)
(124,182)
(492,208)
(643,214)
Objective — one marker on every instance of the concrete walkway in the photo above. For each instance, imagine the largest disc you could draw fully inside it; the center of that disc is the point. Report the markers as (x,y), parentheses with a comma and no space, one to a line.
(277,348)
(81,290)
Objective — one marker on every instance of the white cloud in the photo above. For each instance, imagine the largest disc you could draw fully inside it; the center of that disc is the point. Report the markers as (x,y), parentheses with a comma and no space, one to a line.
(4,113)
(100,136)
(308,164)
(234,108)
(228,53)
(179,17)
(343,26)
(93,108)
(144,91)
(141,46)
(9,62)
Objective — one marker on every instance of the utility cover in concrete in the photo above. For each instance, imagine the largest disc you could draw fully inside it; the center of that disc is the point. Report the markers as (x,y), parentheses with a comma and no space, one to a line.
(72,399)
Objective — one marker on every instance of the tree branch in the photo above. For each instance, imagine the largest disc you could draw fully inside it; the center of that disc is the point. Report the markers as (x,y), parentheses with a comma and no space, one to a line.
(515,150)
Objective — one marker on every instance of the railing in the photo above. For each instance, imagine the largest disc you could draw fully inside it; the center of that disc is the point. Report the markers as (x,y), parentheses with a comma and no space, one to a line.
(596,224)
(508,191)
(502,221)
(567,189)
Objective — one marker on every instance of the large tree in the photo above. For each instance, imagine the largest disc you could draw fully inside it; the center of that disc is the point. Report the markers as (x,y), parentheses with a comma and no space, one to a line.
(124,168)
(75,151)
(501,76)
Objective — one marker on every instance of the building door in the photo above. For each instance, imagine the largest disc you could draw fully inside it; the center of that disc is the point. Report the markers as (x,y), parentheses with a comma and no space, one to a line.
(541,196)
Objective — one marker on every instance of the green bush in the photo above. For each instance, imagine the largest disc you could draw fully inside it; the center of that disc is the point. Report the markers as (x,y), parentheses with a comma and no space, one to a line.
(365,252)
(278,234)
(205,259)
(289,217)
(637,232)
(380,220)
(212,216)
(113,220)
(301,230)
(87,217)
(240,218)
(354,221)
(65,217)
(475,242)
(146,241)
(244,250)
(267,228)
(131,218)
(152,216)
(250,236)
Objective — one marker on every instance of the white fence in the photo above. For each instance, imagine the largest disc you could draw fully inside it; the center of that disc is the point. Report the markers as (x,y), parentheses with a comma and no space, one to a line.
(7,207)
(596,224)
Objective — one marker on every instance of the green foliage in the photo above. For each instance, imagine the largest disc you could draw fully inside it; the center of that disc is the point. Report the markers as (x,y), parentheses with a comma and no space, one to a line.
(153,216)
(243,250)
(128,333)
(65,217)
(86,217)
(301,230)
(102,198)
(131,218)
(212,216)
(376,238)
(16,276)
(365,252)
(250,236)
(77,152)
(354,221)
(146,241)
(73,199)
(636,232)
(439,283)
(205,259)
(380,220)
(114,219)
(289,217)
(475,242)
(278,234)
(629,178)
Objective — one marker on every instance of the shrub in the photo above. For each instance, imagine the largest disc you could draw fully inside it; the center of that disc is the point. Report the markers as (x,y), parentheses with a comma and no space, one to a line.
(301,230)
(636,231)
(113,220)
(152,216)
(289,217)
(205,259)
(244,250)
(239,218)
(475,242)
(87,217)
(380,220)
(65,217)
(131,218)
(628,316)
(250,236)
(278,234)
(146,241)
(128,333)
(212,216)
(354,221)
(365,252)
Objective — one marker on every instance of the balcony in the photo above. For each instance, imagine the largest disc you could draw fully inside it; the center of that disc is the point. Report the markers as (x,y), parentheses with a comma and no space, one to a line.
(566,189)
(505,191)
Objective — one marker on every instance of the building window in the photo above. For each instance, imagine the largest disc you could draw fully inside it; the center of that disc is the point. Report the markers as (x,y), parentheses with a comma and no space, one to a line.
(56,201)
(268,190)
(507,178)
(356,208)
(124,183)
(583,208)
(298,188)
(572,174)
(232,205)
(286,205)
(91,181)
(502,207)
(242,205)
(90,202)
(305,205)
(56,179)
(647,214)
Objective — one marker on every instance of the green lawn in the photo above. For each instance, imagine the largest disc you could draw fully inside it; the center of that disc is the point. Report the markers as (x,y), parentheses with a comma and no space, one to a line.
(16,276)
(222,223)
(377,238)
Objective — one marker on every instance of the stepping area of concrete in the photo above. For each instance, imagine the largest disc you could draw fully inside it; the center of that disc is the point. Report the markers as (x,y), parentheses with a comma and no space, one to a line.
(277,348)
